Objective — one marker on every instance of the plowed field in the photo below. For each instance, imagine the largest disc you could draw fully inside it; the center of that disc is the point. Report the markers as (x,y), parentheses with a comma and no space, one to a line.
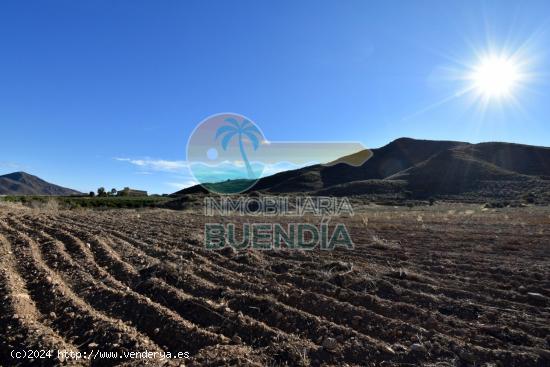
(443,286)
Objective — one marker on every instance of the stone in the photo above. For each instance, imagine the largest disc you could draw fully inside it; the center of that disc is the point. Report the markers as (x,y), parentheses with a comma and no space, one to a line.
(536,296)
(330,344)
(388,350)
(418,348)
(356,320)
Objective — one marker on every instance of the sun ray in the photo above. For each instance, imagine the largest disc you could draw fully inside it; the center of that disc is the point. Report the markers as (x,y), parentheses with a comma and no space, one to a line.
(496,76)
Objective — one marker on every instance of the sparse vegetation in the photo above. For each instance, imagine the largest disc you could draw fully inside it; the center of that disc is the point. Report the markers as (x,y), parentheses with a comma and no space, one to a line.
(381,244)
(73,202)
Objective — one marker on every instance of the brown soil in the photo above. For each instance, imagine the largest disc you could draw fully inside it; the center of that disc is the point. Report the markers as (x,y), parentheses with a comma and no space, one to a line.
(439,286)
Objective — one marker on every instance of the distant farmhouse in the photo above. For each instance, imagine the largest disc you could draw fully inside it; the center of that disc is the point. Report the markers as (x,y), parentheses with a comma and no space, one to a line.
(131,192)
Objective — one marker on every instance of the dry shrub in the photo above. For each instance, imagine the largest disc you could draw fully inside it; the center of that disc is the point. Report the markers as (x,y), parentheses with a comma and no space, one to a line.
(9,205)
(383,244)
(49,206)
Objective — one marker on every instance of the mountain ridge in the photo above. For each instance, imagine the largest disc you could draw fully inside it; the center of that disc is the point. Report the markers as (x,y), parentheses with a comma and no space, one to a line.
(422,168)
(22,183)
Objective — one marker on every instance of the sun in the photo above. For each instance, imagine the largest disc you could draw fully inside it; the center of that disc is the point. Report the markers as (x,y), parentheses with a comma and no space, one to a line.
(491,78)
(496,77)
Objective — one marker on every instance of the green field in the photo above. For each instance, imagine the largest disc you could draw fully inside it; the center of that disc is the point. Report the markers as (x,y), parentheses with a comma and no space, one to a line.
(74,202)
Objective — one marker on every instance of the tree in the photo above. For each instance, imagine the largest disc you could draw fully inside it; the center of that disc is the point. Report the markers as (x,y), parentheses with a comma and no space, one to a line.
(101,192)
(245,128)
(91,194)
(113,192)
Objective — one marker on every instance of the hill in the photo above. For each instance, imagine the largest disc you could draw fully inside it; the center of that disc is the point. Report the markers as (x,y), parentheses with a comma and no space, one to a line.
(424,168)
(21,183)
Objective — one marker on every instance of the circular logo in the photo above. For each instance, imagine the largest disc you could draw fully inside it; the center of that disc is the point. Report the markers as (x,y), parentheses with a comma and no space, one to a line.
(223,153)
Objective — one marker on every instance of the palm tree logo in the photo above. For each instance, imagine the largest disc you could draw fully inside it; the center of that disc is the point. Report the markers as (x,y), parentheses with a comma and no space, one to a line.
(240,130)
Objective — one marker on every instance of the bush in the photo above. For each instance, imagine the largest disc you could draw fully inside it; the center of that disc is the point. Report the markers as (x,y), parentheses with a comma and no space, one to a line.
(530,198)
(497,204)
(70,202)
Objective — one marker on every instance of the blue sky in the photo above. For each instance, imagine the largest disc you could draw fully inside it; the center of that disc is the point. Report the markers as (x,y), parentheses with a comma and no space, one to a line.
(83,83)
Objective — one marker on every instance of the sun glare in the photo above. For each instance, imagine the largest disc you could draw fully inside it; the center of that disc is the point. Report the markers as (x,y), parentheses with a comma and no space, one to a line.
(496,77)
